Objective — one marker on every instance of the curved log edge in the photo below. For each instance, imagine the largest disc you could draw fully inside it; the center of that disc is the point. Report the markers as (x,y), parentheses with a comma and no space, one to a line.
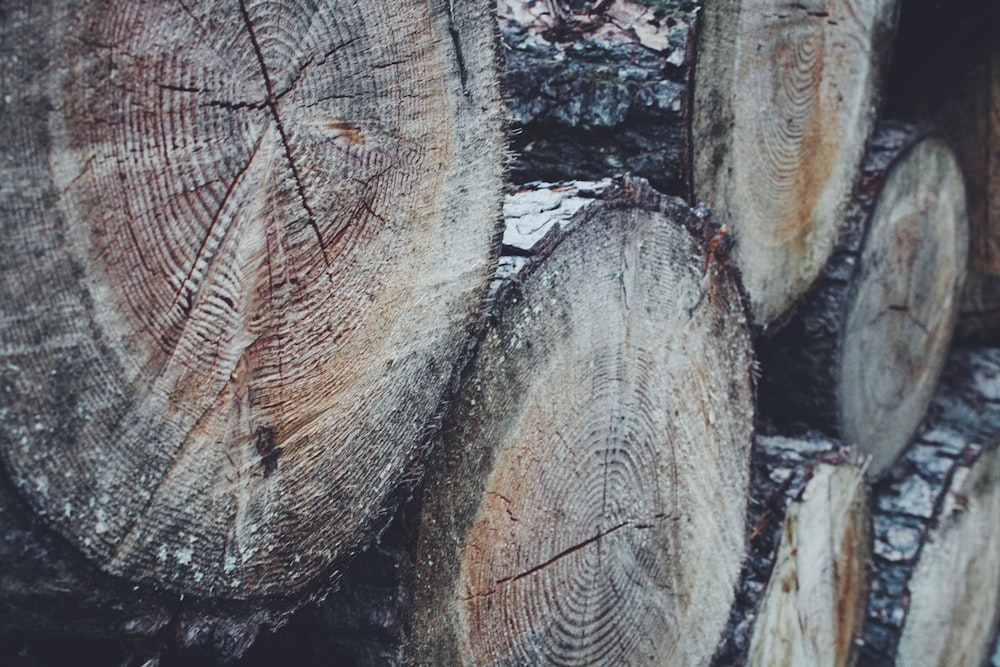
(553,496)
(887,300)
(777,148)
(804,585)
(200,431)
(937,545)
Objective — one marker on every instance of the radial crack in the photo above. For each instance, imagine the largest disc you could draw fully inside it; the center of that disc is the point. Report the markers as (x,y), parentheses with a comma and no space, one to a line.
(272,104)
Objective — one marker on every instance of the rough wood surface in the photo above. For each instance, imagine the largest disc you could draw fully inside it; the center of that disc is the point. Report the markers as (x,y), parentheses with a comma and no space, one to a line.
(786,97)
(241,245)
(861,357)
(936,583)
(804,585)
(586,500)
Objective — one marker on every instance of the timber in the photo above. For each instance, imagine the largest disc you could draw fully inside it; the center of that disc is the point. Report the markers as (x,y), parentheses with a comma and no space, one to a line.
(221,225)
(862,356)
(586,498)
(804,584)
(936,582)
(759,108)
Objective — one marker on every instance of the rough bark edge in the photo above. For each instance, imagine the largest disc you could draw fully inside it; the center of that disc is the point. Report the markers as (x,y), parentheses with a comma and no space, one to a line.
(799,357)
(781,469)
(963,422)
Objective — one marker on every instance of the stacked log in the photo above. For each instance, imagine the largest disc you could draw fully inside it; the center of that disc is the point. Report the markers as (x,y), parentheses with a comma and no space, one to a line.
(248,282)
(936,582)
(771,140)
(862,355)
(195,352)
(585,500)
(804,585)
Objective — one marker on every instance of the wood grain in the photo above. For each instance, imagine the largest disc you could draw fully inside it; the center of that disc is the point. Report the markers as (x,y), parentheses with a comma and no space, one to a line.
(784,103)
(587,499)
(223,224)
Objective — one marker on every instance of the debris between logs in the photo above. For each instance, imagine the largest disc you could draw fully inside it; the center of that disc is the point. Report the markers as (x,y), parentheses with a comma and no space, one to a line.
(862,355)
(221,226)
(804,587)
(586,499)
(936,583)
(759,108)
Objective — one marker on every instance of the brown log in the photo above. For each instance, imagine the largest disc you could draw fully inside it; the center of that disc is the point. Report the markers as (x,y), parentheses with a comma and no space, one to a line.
(804,585)
(242,247)
(759,108)
(936,587)
(861,358)
(586,500)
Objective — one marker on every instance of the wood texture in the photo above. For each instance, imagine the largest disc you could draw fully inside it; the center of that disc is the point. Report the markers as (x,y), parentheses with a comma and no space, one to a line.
(585,503)
(804,584)
(786,97)
(861,358)
(223,227)
(936,586)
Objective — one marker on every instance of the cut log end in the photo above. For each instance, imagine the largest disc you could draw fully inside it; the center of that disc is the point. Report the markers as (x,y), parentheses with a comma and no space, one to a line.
(813,608)
(863,354)
(221,228)
(904,303)
(785,175)
(587,497)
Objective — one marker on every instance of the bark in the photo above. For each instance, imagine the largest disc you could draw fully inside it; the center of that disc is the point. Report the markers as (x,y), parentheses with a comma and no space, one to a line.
(861,358)
(585,502)
(683,95)
(804,585)
(936,582)
(220,227)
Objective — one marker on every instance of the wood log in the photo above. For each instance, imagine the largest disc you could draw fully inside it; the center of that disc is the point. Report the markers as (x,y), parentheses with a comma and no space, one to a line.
(936,583)
(759,108)
(804,586)
(861,358)
(955,83)
(586,500)
(243,246)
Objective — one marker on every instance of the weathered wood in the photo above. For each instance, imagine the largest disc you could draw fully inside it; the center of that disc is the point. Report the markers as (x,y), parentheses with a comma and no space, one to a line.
(861,357)
(785,99)
(241,248)
(759,108)
(936,585)
(804,585)
(586,500)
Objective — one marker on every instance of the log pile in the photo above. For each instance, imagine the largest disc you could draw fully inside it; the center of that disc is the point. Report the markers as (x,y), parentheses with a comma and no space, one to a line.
(263,342)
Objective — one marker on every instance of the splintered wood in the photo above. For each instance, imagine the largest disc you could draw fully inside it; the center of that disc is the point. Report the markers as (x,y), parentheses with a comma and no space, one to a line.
(585,503)
(804,586)
(242,246)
